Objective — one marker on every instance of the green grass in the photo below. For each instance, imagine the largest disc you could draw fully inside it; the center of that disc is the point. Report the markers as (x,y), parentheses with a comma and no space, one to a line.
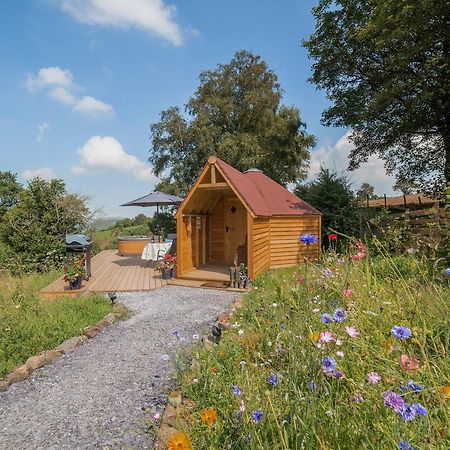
(29,325)
(276,333)
(107,239)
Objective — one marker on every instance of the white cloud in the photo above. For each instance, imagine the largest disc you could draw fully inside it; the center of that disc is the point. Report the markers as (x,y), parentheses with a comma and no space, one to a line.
(48,76)
(42,128)
(148,15)
(92,105)
(43,172)
(335,157)
(105,153)
(60,87)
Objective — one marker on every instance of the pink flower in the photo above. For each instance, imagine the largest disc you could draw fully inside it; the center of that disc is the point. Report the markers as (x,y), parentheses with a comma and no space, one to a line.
(326,336)
(341,354)
(351,331)
(347,292)
(408,364)
(373,378)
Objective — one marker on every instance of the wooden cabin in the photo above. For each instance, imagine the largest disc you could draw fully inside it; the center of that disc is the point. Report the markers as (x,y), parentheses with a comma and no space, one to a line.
(229,217)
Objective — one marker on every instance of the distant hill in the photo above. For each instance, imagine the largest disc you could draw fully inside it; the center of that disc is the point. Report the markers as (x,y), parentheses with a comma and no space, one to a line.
(103,223)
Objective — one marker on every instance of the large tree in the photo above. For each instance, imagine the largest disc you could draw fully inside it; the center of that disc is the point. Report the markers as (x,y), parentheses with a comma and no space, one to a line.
(235,114)
(384,65)
(9,191)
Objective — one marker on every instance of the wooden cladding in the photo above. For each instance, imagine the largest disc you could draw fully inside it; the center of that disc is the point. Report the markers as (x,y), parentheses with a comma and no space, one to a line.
(260,245)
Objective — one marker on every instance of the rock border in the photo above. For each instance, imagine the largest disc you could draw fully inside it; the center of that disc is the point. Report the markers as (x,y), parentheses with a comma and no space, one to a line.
(22,372)
(176,419)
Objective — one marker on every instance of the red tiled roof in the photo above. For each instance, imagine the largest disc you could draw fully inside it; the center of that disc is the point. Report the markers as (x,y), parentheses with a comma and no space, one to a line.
(263,195)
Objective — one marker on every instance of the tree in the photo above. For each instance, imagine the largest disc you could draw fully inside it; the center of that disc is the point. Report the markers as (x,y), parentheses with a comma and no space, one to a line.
(9,191)
(141,219)
(331,194)
(405,187)
(235,114)
(366,191)
(34,229)
(384,65)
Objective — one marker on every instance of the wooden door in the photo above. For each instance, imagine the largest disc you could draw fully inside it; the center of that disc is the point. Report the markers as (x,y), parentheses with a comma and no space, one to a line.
(235,227)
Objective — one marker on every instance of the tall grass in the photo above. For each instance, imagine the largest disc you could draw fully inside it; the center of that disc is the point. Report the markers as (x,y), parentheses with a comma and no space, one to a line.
(29,325)
(277,335)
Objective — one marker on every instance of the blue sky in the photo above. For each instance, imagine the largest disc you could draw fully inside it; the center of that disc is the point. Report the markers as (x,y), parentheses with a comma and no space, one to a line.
(82,80)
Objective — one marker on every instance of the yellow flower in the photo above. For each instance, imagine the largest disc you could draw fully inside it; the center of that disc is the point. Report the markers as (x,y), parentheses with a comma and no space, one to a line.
(314,336)
(446,392)
(209,416)
(179,441)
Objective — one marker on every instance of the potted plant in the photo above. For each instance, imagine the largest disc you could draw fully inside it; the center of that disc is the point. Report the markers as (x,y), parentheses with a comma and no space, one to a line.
(74,271)
(167,266)
(243,276)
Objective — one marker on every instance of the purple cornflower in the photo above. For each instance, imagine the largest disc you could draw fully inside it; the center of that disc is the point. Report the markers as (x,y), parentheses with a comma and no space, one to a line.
(403,445)
(337,374)
(393,401)
(414,386)
(408,412)
(339,315)
(308,239)
(311,385)
(326,318)
(419,409)
(236,390)
(273,380)
(401,332)
(257,415)
(328,364)
(175,333)
(282,326)
(447,271)
(248,437)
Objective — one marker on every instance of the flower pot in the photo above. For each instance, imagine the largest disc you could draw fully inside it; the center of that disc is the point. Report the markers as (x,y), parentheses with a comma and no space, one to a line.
(166,273)
(173,272)
(75,283)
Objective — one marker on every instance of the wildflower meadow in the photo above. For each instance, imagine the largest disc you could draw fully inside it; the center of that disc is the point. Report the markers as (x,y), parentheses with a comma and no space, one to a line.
(347,353)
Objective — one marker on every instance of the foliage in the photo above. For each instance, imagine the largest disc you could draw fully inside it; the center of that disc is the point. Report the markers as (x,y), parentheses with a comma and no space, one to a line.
(168,262)
(272,378)
(235,114)
(34,229)
(366,191)
(164,222)
(29,325)
(330,193)
(384,65)
(74,268)
(9,191)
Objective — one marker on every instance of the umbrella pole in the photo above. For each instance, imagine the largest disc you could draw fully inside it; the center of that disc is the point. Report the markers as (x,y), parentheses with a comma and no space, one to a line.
(157,218)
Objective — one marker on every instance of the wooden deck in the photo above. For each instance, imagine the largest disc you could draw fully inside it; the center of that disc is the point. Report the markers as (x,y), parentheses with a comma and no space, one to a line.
(111,273)
(209,272)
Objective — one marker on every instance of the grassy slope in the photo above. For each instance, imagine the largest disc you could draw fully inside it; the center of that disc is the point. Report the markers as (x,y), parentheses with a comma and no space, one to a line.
(279,327)
(29,325)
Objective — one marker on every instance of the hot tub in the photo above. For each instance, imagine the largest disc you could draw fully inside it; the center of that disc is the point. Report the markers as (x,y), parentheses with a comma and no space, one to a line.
(132,245)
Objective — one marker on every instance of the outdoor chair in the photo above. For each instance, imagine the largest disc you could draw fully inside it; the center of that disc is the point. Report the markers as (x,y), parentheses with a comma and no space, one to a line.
(172,251)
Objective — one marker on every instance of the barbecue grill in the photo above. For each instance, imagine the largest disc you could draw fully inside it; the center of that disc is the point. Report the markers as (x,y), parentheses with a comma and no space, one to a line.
(80,243)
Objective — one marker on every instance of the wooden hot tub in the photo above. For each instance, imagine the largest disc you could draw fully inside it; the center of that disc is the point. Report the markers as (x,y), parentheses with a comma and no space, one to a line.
(132,245)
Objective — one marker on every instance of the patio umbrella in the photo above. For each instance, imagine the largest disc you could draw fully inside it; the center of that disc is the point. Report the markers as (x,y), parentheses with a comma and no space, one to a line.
(155,199)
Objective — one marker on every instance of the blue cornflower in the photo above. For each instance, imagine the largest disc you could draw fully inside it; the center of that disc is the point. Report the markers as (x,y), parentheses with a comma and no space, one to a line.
(282,326)
(273,380)
(401,332)
(447,271)
(337,374)
(311,385)
(248,437)
(328,364)
(236,390)
(175,333)
(326,318)
(415,387)
(403,445)
(257,415)
(308,239)
(339,315)
(408,412)
(419,409)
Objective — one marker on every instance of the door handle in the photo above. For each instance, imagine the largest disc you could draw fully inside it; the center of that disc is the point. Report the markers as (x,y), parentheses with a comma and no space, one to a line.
(226,229)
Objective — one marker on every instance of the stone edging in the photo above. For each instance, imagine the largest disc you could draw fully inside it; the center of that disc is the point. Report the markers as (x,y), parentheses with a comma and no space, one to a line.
(176,419)
(22,372)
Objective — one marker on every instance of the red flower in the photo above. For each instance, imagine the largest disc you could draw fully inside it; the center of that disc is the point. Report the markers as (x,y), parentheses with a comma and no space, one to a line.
(332,236)
(300,279)
(360,245)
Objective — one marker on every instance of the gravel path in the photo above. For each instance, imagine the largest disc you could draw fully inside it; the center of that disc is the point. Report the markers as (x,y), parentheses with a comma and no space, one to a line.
(94,396)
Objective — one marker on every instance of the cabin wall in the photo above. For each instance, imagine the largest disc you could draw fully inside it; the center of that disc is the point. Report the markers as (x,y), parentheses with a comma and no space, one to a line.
(285,247)
(260,246)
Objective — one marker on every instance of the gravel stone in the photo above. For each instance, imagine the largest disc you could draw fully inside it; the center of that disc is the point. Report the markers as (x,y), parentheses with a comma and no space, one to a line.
(95,396)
